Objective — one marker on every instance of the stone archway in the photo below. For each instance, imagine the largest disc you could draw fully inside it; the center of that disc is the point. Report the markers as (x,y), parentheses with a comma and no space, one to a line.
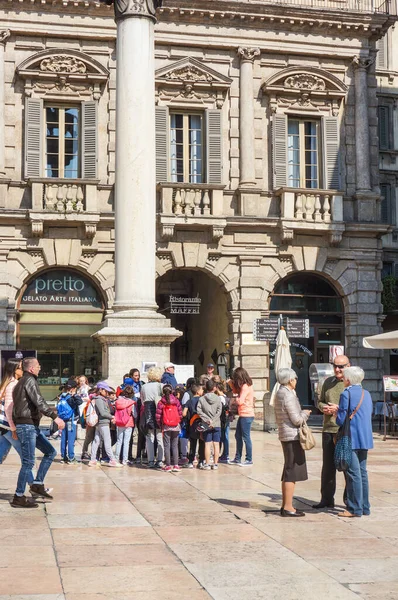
(204,334)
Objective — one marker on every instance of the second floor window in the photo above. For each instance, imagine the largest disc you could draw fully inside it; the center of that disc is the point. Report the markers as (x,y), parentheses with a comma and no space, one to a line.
(303,153)
(62,144)
(186,148)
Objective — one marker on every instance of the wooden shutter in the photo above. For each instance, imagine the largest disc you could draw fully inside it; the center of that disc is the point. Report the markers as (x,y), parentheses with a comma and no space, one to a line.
(384,127)
(382,54)
(386,204)
(162,143)
(33,137)
(331,150)
(214,146)
(89,140)
(279,150)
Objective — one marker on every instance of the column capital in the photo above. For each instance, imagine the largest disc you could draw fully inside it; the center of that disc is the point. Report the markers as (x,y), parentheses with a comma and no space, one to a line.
(362,64)
(248,54)
(136,8)
(4,35)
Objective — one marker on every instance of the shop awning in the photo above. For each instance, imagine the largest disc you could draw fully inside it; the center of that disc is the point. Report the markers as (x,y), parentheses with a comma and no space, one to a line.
(382,341)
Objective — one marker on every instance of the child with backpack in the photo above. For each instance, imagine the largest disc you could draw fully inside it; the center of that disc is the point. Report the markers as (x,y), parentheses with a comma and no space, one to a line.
(104,419)
(189,412)
(124,421)
(168,418)
(68,411)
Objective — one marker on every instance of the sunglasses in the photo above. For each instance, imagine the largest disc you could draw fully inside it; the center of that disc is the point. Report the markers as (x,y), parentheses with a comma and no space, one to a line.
(340,366)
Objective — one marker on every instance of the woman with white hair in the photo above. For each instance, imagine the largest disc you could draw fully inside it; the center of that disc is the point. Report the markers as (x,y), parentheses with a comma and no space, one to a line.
(289,417)
(358,403)
(151,393)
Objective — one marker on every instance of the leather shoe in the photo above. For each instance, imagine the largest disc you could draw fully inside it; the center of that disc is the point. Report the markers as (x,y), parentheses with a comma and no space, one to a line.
(291,513)
(322,505)
(347,514)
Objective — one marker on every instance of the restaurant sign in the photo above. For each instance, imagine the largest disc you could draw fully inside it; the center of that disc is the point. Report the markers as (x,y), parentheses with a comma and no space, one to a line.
(60,288)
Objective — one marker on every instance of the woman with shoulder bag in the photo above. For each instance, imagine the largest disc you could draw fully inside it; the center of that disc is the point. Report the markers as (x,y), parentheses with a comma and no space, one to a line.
(357,402)
(289,418)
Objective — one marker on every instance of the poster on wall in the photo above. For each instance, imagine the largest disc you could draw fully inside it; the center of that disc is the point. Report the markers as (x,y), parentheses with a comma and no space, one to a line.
(17,354)
(184,372)
(335,351)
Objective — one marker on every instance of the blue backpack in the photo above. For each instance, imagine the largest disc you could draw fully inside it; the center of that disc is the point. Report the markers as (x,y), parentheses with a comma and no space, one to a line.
(65,411)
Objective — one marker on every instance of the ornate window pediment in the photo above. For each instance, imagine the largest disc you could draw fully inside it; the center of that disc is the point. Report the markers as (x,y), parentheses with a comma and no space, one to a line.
(305,89)
(61,73)
(190,81)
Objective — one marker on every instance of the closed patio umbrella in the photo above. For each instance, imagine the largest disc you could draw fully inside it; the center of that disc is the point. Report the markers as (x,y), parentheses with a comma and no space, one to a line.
(283,358)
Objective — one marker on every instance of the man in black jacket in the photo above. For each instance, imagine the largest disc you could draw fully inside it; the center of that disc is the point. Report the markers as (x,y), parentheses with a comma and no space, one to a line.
(29,406)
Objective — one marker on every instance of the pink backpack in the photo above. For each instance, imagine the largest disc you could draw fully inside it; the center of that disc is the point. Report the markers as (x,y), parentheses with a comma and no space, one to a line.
(122,417)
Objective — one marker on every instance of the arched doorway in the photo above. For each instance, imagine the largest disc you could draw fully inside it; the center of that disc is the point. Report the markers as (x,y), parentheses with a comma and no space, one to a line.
(309,296)
(59,310)
(204,334)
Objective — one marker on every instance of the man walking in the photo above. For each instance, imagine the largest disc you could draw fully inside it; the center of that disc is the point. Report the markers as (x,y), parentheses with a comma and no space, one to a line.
(330,395)
(29,405)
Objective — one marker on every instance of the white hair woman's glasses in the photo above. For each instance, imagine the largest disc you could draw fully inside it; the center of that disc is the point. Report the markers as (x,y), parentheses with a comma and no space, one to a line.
(353,375)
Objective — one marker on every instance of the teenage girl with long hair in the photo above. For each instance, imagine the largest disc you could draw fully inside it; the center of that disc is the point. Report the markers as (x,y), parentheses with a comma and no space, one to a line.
(242,387)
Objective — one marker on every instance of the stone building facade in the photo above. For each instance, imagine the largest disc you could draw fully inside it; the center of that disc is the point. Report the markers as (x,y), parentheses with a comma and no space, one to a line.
(267,170)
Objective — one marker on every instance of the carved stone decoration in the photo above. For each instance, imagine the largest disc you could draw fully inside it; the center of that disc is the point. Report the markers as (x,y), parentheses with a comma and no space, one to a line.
(62,63)
(362,63)
(335,237)
(37,228)
(217,231)
(130,8)
(190,73)
(4,35)
(90,230)
(248,54)
(305,81)
(287,234)
(167,232)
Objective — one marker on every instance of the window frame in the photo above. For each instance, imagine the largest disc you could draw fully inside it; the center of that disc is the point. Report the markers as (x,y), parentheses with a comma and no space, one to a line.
(186,114)
(62,107)
(302,150)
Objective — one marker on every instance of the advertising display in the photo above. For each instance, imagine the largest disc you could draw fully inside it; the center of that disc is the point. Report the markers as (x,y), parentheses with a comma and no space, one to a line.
(60,288)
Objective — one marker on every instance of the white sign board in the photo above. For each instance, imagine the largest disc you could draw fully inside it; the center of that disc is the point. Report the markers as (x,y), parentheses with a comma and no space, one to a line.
(184,372)
(390,383)
(335,351)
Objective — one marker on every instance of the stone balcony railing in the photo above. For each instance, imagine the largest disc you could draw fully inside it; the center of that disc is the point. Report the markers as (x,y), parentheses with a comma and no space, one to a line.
(198,204)
(311,210)
(64,199)
(385,7)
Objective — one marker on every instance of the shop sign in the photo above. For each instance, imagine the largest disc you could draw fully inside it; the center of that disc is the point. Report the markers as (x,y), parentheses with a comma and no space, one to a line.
(60,288)
(298,328)
(265,330)
(390,383)
(184,306)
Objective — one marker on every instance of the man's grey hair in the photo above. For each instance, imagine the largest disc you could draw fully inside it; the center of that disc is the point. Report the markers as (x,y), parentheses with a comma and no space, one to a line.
(354,375)
(283,376)
(28,362)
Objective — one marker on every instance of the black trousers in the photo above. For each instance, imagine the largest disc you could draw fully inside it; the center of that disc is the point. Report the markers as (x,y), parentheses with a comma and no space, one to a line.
(328,475)
(170,441)
(192,450)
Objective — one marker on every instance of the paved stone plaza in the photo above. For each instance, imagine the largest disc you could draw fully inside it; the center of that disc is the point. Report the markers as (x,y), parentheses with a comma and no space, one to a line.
(138,534)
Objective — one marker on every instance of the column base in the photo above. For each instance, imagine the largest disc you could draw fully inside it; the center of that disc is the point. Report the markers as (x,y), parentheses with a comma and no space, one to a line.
(130,338)
(367,208)
(249,202)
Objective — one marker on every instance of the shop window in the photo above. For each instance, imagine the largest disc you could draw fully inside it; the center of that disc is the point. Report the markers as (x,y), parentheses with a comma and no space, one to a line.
(188,146)
(309,294)
(303,153)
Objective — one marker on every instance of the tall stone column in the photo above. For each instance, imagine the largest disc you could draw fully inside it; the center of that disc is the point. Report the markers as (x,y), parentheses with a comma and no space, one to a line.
(362,153)
(4,35)
(135,332)
(246,117)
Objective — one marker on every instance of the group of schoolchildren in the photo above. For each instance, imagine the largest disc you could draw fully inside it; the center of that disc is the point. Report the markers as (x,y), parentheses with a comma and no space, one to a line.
(172,422)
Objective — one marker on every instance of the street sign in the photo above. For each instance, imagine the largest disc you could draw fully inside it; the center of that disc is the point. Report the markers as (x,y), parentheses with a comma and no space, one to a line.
(265,330)
(298,328)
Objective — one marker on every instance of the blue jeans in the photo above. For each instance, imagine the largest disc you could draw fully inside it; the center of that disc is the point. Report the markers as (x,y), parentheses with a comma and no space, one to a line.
(123,440)
(68,438)
(6,442)
(225,441)
(242,434)
(30,438)
(357,484)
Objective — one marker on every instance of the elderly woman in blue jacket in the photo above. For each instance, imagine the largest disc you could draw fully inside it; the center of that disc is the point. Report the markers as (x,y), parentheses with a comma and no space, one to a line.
(362,440)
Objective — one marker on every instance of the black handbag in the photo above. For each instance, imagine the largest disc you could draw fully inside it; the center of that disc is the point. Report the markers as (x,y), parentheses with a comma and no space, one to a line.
(343,448)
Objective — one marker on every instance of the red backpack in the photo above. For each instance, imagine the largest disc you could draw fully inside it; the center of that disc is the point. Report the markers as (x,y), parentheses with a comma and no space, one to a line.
(122,417)
(171,416)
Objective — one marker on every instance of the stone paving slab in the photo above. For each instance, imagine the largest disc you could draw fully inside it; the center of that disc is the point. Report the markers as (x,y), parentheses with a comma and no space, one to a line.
(134,534)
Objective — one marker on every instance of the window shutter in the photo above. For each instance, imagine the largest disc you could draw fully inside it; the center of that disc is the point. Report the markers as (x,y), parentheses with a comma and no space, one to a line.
(33,137)
(396,270)
(89,140)
(279,150)
(386,204)
(382,54)
(162,143)
(214,145)
(384,129)
(331,159)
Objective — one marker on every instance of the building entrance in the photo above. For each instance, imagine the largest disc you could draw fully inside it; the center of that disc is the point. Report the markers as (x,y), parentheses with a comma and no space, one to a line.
(204,332)
(308,296)
(59,310)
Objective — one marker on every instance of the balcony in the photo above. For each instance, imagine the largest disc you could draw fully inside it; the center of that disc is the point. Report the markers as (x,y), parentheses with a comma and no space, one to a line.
(196,205)
(383,7)
(66,200)
(304,211)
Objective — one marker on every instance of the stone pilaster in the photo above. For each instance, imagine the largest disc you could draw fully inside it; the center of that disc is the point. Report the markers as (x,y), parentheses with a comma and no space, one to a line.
(246,116)
(4,35)
(135,332)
